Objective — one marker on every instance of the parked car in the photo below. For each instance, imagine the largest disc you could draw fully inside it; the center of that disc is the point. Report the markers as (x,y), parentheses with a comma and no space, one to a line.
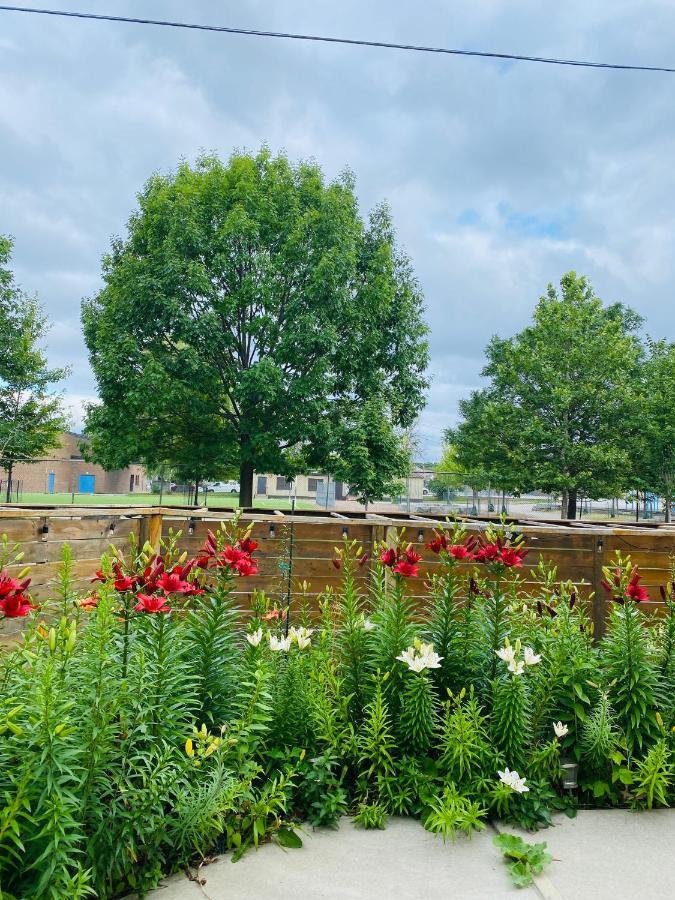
(223,487)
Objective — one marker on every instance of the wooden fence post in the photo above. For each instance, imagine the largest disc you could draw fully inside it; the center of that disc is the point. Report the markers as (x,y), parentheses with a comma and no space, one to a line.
(150,531)
(599,610)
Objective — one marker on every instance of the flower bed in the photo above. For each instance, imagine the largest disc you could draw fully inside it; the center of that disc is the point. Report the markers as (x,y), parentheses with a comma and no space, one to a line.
(148,724)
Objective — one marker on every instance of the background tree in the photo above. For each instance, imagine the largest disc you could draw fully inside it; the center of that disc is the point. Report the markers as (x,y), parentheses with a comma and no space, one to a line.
(653,432)
(562,393)
(250,307)
(449,477)
(31,414)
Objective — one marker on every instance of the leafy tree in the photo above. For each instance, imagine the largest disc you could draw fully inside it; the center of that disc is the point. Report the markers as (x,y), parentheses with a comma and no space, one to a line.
(653,436)
(450,476)
(31,414)
(561,396)
(252,318)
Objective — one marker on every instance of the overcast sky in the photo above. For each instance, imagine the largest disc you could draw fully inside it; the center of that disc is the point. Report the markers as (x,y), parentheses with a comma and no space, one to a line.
(501,176)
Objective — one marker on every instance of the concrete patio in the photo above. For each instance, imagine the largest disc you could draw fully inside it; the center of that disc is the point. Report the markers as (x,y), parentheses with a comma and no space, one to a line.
(602,854)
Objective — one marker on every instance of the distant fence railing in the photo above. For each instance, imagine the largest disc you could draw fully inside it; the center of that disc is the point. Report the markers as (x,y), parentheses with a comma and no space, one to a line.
(579,551)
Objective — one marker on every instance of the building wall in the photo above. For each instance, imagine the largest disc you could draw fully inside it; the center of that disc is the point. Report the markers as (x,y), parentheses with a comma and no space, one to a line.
(304,486)
(67,465)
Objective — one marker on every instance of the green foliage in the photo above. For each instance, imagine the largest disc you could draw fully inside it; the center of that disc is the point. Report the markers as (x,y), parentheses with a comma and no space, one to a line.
(371,815)
(631,677)
(553,416)
(229,300)
(524,860)
(654,777)
(31,413)
(416,722)
(135,743)
(451,812)
(510,721)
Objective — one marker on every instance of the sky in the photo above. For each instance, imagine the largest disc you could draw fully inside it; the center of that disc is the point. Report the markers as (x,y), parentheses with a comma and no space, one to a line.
(501,176)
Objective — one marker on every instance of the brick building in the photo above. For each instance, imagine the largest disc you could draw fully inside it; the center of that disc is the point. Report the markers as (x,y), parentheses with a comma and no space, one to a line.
(66,471)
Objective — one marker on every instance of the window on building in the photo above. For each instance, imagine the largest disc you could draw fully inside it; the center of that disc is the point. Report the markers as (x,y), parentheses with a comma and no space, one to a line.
(283,484)
(313,484)
(262,486)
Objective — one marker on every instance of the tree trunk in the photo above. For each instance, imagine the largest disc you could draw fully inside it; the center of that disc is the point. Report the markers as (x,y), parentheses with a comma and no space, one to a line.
(564,498)
(667,509)
(572,503)
(246,483)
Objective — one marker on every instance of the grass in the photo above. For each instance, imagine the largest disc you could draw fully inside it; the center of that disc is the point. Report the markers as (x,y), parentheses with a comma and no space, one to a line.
(214,500)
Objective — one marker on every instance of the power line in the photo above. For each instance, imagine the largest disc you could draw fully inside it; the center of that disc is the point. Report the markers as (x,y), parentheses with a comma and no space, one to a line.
(387,45)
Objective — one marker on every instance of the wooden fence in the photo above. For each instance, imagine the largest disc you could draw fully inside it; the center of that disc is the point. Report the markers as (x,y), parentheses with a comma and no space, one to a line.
(305,541)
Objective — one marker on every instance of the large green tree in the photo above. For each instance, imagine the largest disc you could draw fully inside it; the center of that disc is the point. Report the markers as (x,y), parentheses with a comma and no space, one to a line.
(31,413)
(653,431)
(249,318)
(561,398)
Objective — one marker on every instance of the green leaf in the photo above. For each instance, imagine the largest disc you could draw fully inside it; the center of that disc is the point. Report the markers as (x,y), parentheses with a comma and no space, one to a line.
(289,838)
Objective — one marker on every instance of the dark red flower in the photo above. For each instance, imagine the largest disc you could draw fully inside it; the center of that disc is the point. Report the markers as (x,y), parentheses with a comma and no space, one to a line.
(406,569)
(245,566)
(512,558)
(440,542)
(152,604)
(411,555)
(388,557)
(364,559)
(99,576)
(248,546)
(125,583)
(337,563)
(460,551)
(634,590)
(487,553)
(15,606)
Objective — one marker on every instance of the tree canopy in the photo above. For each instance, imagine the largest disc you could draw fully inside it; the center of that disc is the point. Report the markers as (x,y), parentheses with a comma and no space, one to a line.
(31,413)
(556,414)
(252,319)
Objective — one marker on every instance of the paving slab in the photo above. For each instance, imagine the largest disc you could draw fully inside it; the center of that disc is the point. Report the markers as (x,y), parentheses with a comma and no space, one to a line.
(600,855)
(403,861)
(610,854)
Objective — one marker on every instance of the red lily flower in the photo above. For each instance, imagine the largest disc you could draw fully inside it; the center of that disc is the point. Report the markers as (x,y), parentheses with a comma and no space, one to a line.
(151,604)
(406,569)
(99,576)
(388,557)
(411,555)
(248,546)
(337,563)
(440,542)
(364,559)
(487,553)
(245,566)
(15,606)
(635,591)
(460,551)
(511,557)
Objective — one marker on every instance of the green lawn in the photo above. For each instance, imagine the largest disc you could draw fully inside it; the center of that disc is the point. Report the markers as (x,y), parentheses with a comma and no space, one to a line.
(214,500)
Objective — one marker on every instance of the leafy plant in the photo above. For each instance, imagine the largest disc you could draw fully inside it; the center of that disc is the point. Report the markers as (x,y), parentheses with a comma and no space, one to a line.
(524,860)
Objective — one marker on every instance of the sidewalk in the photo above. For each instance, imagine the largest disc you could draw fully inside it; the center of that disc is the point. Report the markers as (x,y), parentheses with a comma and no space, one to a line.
(602,854)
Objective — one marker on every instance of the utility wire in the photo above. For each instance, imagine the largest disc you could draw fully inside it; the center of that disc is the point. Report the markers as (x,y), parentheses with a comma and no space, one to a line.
(387,45)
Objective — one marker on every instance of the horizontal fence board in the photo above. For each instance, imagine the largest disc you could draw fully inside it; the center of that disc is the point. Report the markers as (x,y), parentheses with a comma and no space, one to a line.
(577,550)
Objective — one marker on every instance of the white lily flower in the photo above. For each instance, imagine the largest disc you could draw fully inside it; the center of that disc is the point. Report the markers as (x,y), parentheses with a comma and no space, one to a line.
(516,666)
(302,641)
(507,653)
(407,657)
(280,643)
(421,657)
(300,634)
(513,780)
(531,658)
(368,625)
(560,729)
(255,638)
